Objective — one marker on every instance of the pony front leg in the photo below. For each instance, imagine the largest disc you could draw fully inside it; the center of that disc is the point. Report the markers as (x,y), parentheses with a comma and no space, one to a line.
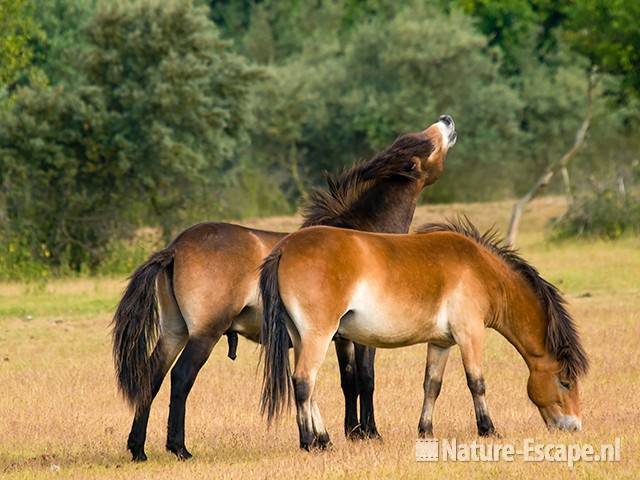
(436,363)
(309,356)
(471,351)
(365,359)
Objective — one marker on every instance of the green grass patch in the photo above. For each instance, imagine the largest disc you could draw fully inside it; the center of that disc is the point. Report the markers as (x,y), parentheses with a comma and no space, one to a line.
(60,298)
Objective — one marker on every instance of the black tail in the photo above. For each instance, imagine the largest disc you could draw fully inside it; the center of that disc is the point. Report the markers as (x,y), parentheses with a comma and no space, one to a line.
(276,383)
(135,330)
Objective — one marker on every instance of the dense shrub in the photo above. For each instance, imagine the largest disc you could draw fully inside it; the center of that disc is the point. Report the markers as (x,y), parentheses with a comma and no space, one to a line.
(159,102)
(607,213)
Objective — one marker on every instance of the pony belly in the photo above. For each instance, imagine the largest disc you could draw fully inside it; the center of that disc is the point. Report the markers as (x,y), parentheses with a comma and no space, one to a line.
(389,323)
(248,323)
(379,330)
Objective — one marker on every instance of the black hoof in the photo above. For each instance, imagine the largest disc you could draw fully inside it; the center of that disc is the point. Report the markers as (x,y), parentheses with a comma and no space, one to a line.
(363,434)
(324,446)
(138,456)
(181,453)
(425,431)
(323,442)
(317,445)
(354,433)
(371,434)
(492,432)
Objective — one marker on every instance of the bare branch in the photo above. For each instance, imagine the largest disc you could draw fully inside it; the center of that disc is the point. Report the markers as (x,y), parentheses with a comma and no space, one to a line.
(555,167)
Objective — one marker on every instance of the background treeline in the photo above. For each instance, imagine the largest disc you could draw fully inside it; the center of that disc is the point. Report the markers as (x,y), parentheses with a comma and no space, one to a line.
(116,115)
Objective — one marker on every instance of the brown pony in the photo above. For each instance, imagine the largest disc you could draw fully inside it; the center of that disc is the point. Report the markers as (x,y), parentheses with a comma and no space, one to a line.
(206,285)
(442,286)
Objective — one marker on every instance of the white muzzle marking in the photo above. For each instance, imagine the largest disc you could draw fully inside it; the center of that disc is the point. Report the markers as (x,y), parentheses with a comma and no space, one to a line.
(445,131)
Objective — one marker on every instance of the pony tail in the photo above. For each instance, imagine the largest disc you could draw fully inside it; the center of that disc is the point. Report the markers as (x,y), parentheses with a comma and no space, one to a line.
(135,330)
(276,382)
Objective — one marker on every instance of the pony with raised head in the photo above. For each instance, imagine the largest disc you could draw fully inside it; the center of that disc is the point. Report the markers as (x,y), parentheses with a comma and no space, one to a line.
(443,286)
(205,285)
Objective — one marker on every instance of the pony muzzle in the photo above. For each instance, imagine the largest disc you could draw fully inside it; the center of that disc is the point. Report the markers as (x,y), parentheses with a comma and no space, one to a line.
(447,128)
(567,423)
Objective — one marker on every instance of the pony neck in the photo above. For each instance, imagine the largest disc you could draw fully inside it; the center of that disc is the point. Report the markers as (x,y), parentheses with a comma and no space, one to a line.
(526,333)
(387,207)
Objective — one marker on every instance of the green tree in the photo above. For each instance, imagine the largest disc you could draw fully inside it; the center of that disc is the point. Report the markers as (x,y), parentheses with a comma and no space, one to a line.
(177,99)
(607,32)
(397,75)
(62,198)
(16,28)
(149,129)
(56,50)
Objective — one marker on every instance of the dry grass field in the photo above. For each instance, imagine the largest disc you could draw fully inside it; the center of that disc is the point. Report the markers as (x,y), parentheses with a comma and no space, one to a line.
(60,414)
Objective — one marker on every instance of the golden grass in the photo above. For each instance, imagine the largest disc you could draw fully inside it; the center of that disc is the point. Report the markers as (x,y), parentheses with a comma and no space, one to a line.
(60,413)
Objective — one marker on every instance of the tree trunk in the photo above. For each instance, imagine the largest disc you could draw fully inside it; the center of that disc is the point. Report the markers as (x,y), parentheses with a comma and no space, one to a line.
(567,185)
(518,208)
(553,168)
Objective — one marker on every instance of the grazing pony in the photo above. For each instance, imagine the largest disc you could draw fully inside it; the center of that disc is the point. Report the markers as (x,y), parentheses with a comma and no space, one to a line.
(206,285)
(443,286)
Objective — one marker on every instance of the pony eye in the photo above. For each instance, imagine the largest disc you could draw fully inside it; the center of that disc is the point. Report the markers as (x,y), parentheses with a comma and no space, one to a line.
(566,385)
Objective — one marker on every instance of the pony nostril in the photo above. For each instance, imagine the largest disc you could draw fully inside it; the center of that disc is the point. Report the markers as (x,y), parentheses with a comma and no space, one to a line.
(446,119)
(577,425)
(569,424)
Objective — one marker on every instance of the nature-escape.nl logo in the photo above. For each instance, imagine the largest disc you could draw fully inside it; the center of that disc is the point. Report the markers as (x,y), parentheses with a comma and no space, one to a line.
(450,450)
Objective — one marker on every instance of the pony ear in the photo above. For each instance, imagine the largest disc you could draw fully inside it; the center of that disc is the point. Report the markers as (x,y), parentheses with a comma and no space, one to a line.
(415,164)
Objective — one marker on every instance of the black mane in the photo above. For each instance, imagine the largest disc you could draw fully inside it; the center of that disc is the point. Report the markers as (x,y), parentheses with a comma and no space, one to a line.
(562,338)
(331,206)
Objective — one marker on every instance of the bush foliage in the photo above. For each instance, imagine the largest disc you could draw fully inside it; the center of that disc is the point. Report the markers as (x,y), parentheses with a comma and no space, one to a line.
(158,103)
(605,212)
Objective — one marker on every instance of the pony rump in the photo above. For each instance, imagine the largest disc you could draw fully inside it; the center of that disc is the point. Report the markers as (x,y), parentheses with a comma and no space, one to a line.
(276,383)
(562,339)
(332,206)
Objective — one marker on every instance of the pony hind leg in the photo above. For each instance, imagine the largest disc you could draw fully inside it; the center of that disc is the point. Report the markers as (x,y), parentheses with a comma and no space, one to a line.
(436,363)
(183,376)
(209,313)
(309,353)
(172,338)
(163,356)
